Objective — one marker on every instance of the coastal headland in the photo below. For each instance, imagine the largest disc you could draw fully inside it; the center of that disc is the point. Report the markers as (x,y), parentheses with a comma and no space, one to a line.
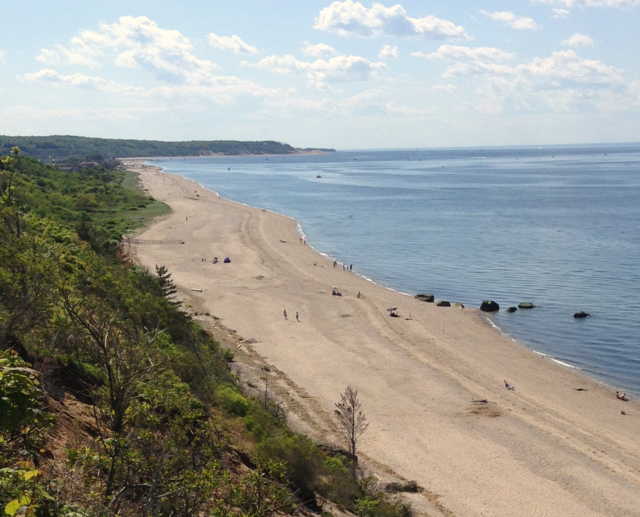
(431,381)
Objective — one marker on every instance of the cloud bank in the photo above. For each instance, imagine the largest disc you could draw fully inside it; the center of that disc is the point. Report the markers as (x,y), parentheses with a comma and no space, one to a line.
(133,43)
(337,69)
(349,18)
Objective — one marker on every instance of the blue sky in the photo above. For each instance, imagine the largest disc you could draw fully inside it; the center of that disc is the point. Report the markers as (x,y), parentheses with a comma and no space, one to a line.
(341,74)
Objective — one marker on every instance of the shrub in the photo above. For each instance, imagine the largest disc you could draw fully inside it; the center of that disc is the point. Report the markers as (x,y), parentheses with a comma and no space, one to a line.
(232,401)
(305,463)
(254,427)
(19,393)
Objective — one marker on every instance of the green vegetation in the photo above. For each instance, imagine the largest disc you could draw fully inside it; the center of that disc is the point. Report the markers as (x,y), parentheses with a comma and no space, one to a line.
(151,209)
(99,149)
(113,401)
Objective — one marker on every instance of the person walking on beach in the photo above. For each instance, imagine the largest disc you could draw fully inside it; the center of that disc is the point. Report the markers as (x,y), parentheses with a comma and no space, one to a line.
(350,267)
(285,314)
(335,263)
(508,386)
(297,317)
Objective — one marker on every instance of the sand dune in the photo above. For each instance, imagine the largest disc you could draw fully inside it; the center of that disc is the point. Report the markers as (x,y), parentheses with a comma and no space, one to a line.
(545,448)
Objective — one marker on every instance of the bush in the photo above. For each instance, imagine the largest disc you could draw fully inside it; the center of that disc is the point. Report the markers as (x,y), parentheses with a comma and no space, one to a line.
(377,506)
(305,463)
(232,401)
(19,393)
(228,354)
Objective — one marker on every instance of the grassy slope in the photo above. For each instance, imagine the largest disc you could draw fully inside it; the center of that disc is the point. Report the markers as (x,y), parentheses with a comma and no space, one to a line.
(152,210)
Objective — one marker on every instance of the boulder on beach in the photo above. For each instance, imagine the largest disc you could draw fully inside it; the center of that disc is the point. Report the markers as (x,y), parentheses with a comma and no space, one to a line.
(581,314)
(526,305)
(489,306)
(443,303)
(425,298)
(512,309)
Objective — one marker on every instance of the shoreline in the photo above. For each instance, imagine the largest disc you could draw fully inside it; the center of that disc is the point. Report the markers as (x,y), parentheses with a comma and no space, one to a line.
(484,316)
(413,359)
(303,153)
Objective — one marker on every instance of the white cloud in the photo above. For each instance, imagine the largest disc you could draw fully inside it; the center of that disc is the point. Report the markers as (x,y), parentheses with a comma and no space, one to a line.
(134,43)
(561,82)
(349,18)
(79,52)
(579,40)
(318,50)
(140,43)
(388,52)
(78,81)
(233,43)
(560,13)
(444,88)
(590,3)
(217,89)
(566,67)
(560,70)
(2,57)
(471,61)
(336,69)
(513,21)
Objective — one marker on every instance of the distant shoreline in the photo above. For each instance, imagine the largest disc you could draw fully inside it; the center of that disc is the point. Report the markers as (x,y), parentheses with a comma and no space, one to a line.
(302,153)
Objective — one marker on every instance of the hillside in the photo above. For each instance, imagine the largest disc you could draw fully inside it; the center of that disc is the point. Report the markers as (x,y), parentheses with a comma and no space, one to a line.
(98,149)
(113,399)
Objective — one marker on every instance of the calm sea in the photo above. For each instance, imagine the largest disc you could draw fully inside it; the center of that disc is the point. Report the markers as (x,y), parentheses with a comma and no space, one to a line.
(556,226)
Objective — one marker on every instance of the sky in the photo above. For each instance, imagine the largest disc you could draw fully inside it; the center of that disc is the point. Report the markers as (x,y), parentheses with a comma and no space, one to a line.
(342,74)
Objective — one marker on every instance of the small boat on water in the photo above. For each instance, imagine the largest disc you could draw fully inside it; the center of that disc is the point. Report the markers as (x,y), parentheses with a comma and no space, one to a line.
(318,176)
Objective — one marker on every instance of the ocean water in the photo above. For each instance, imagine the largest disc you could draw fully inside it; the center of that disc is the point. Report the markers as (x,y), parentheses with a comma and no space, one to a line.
(556,226)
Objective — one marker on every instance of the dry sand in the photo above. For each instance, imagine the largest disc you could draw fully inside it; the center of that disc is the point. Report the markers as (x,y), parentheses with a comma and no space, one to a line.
(557,445)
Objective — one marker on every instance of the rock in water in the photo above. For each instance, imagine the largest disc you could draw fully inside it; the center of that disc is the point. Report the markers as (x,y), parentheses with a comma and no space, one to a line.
(581,314)
(425,298)
(489,306)
(526,305)
(512,309)
(444,304)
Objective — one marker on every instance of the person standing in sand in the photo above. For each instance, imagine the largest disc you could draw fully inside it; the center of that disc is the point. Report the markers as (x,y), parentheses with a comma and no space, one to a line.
(285,314)
(297,317)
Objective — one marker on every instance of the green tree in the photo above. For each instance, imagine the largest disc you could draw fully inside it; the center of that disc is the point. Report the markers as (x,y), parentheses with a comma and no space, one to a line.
(167,288)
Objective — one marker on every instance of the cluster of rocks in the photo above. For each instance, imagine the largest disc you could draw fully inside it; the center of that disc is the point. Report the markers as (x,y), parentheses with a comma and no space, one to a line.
(491,306)
(431,299)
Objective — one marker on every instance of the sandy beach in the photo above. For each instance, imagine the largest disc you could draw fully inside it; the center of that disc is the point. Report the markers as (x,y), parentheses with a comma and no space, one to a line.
(556,445)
